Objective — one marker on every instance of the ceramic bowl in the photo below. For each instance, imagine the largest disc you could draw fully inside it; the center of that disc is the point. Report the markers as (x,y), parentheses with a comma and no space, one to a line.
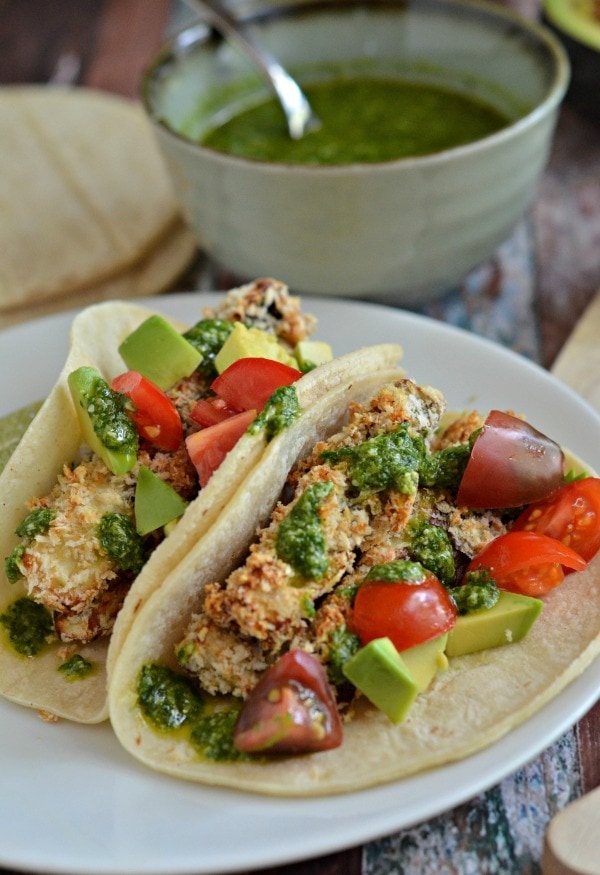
(402,231)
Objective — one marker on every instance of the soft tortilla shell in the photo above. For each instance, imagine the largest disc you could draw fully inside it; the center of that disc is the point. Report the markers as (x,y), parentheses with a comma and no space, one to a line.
(476,701)
(53,439)
(154,273)
(84,190)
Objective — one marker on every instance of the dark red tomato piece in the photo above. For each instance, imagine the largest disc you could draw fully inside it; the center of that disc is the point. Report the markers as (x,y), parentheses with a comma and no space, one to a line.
(526,562)
(292,709)
(511,464)
(208,447)
(209,411)
(248,383)
(571,514)
(155,416)
(406,613)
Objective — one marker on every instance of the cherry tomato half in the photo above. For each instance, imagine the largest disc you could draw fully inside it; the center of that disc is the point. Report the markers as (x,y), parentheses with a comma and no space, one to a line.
(571,514)
(526,562)
(292,709)
(155,416)
(208,447)
(511,464)
(248,383)
(406,613)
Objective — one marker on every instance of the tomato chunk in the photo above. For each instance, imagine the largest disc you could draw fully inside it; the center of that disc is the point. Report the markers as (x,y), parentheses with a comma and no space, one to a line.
(408,613)
(248,383)
(527,562)
(209,411)
(155,416)
(511,464)
(571,514)
(292,709)
(208,447)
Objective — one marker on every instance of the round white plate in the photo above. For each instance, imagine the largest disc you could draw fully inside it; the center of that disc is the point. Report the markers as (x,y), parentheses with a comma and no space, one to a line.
(72,801)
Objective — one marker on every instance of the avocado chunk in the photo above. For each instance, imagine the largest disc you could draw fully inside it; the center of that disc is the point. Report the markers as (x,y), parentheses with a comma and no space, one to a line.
(156,502)
(311,353)
(424,660)
(245,343)
(508,621)
(378,671)
(105,427)
(159,352)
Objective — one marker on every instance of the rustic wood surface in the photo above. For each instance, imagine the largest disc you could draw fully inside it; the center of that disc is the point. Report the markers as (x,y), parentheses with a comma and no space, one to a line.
(528,296)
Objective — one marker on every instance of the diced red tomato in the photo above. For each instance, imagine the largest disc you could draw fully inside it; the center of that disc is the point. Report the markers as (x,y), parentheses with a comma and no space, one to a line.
(208,447)
(154,414)
(571,514)
(526,562)
(208,411)
(511,464)
(248,383)
(407,613)
(292,709)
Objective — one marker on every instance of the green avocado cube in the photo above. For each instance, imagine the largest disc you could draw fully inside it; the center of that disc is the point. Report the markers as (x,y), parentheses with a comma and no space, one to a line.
(159,352)
(105,427)
(378,671)
(312,353)
(508,621)
(156,502)
(425,660)
(244,343)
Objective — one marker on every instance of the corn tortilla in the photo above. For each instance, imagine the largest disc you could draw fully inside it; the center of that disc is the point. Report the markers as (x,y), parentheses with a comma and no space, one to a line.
(84,191)
(53,439)
(477,700)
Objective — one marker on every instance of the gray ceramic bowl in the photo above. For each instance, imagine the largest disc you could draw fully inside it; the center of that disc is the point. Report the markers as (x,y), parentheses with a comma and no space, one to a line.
(403,231)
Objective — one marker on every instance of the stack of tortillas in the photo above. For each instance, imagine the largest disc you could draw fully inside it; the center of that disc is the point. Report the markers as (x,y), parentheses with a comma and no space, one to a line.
(87,211)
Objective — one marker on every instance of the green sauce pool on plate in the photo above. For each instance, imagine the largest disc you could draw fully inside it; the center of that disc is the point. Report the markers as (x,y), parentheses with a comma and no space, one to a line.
(365,119)
(12,429)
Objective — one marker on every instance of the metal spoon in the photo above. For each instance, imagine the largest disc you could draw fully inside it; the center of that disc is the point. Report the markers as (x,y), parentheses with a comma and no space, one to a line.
(299,115)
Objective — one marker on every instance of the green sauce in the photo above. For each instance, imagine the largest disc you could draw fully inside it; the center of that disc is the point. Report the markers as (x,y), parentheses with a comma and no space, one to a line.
(363,120)
(77,668)
(28,626)
(399,571)
(208,336)
(172,705)
(431,546)
(477,592)
(279,412)
(12,429)
(166,698)
(300,540)
(387,461)
(119,538)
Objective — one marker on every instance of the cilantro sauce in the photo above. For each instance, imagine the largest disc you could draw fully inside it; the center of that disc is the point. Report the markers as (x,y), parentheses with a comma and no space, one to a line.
(364,119)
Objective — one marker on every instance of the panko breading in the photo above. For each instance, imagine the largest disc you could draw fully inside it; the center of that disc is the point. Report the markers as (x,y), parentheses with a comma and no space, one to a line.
(266,304)
(65,567)
(263,603)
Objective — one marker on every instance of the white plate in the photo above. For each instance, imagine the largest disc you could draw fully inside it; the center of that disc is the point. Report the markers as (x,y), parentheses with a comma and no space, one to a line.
(73,801)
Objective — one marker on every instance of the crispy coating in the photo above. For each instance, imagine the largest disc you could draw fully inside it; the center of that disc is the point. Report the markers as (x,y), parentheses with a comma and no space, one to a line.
(263,604)
(266,304)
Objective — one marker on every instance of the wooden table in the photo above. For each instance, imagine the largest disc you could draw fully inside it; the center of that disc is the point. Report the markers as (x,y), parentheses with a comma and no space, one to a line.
(528,297)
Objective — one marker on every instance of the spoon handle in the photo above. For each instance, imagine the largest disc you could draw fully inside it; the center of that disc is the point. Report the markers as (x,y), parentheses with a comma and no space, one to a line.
(299,114)
(572,844)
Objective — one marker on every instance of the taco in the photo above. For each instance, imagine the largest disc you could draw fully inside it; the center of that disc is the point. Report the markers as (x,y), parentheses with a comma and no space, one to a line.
(407,601)
(106,492)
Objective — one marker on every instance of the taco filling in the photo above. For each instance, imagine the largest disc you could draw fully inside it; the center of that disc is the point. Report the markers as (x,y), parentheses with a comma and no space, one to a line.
(399,543)
(155,435)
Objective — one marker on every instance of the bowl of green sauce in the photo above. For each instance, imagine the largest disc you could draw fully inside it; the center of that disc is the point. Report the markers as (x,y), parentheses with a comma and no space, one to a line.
(437,117)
